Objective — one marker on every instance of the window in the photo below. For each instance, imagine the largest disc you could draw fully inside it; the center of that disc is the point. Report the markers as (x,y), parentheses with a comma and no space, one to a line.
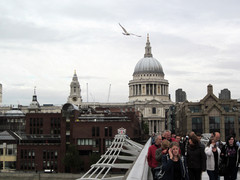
(194,109)
(153,110)
(197,124)
(108,142)
(93,131)
(21,154)
(214,124)
(97,131)
(30,121)
(106,131)
(110,131)
(226,108)
(229,125)
(85,142)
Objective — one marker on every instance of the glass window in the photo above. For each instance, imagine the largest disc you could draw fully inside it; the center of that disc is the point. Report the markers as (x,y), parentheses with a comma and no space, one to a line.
(93,131)
(1,151)
(194,109)
(226,108)
(153,110)
(56,154)
(106,131)
(94,143)
(97,131)
(86,141)
(197,124)
(229,125)
(82,141)
(110,131)
(214,124)
(90,142)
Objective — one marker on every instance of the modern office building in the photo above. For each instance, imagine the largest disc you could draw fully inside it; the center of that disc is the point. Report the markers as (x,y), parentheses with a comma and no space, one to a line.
(225,94)
(180,95)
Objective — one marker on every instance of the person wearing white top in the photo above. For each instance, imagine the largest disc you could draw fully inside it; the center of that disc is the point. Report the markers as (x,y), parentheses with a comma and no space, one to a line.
(213,158)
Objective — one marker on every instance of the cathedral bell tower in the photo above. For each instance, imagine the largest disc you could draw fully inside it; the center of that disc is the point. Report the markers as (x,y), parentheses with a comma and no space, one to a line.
(75,91)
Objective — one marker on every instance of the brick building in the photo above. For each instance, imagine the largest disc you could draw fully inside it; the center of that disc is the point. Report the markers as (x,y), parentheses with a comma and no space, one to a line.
(49,135)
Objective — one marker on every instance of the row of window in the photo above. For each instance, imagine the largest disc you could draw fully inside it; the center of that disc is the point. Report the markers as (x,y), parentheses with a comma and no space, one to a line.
(36,122)
(50,154)
(27,165)
(50,165)
(5,121)
(27,154)
(9,151)
(40,131)
(196,109)
(214,124)
(8,164)
(93,142)
(36,130)
(55,122)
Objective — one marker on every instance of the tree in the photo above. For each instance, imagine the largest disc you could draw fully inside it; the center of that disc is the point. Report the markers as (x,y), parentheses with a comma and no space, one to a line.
(94,158)
(72,160)
(145,127)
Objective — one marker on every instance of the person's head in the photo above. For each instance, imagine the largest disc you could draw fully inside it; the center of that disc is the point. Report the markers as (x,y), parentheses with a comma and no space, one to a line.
(193,139)
(178,138)
(167,134)
(211,141)
(231,141)
(165,144)
(158,140)
(216,136)
(173,136)
(175,148)
(199,135)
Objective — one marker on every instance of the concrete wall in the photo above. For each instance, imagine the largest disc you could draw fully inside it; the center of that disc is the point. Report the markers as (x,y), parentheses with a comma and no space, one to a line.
(39,176)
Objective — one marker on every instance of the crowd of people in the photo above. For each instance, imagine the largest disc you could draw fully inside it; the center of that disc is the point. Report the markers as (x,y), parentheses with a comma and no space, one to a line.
(172,157)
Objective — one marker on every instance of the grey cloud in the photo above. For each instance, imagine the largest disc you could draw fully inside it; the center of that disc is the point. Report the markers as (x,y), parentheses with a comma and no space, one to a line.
(14,30)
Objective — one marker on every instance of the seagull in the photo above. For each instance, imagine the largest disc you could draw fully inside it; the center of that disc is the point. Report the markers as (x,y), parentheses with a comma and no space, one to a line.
(127,33)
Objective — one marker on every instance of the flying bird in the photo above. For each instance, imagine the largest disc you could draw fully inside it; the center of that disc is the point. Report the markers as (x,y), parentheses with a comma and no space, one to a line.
(127,33)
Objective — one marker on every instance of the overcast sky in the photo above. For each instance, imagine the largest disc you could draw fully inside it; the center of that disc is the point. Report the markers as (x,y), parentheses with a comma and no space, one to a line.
(43,42)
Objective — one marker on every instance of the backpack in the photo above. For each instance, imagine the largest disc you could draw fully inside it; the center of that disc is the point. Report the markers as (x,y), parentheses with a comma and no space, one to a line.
(158,171)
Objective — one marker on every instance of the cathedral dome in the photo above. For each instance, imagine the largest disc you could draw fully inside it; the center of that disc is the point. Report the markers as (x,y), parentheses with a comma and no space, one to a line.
(148,64)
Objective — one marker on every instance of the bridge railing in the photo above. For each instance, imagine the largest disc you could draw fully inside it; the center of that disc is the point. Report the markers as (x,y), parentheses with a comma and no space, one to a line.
(140,169)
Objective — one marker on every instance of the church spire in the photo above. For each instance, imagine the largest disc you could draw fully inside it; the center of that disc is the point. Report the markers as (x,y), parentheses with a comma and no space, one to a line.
(148,52)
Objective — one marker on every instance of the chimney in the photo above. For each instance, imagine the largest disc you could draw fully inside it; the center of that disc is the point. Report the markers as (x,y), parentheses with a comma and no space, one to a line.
(210,89)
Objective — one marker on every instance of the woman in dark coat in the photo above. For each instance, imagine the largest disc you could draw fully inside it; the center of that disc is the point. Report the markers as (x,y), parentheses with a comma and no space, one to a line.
(230,155)
(174,165)
(196,158)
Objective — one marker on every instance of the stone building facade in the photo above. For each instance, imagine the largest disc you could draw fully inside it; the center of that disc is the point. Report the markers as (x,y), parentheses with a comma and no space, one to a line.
(209,115)
(149,91)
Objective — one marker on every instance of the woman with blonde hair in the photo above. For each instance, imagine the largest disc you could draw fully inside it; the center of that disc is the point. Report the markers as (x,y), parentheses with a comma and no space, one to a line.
(174,165)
